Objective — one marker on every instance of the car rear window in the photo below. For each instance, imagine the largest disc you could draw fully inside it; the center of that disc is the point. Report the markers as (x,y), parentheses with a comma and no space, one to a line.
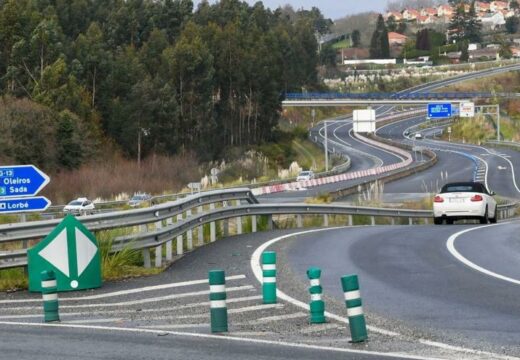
(462,188)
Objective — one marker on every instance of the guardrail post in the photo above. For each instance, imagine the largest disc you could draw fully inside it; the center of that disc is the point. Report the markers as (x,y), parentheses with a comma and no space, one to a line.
(200,231)
(158,249)
(410,221)
(270,222)
(146,258)
(50,296)
(372,220)
(189,234)
(317,305)
(253,223)
(392,219)
(239,221)
(217,298)
(356,317)
(180,245)
(169,251)
(212,232)
(326,220)
(269,277)
(350,220)
(299,221)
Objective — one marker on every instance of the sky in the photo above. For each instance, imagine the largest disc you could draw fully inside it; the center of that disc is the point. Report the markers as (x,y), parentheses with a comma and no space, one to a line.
(333,9)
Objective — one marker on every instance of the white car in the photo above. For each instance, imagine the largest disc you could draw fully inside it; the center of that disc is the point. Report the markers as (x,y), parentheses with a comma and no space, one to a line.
(464,200)
(418,136)
(305,175)
(139,199)
(80,206)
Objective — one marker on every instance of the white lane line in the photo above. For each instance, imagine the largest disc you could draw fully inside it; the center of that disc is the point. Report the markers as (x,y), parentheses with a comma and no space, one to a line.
(392,355)
(450,244)
(127,292)
(257,270)
(133,311)
(93,321)
(231,311)
(320,327)
(268,319)
(138,302)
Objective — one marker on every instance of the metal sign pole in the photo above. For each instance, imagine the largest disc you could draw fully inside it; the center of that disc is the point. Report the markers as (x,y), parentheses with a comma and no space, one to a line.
(326,150)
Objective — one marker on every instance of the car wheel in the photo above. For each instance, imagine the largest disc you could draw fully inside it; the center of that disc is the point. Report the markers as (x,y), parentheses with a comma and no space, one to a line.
(484,219)
(493,220)
(437,220)
(449,221)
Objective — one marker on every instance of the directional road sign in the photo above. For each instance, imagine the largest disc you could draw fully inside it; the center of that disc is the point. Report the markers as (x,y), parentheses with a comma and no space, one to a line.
(439,111)
(467,109)
(21,180)
(72,252)
(18,205)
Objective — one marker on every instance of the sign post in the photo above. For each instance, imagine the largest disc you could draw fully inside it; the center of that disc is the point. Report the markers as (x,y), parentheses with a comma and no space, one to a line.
(439,110)
(72,252)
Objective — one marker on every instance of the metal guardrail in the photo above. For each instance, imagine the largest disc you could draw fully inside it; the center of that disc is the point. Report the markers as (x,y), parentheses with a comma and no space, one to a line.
(434,96)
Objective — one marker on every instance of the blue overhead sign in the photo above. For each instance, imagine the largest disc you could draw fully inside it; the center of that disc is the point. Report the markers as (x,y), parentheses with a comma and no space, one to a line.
(21,180)
(438,111)
(38,203)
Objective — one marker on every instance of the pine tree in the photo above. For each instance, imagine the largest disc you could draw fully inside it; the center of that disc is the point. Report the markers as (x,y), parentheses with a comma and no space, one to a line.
(473,25)
(379,46)
(356,38)
(457,26)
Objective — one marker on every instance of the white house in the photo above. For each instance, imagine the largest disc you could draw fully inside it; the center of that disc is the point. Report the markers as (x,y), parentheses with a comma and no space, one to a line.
(444,10)
(410,14)
(493,20)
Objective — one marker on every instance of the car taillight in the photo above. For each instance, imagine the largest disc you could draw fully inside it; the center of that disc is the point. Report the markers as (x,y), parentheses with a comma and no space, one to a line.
(438,199)
(477,198)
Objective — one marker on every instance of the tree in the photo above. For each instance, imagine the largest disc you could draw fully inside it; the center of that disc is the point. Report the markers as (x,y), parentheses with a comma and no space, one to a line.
(473,25)
(422,41)
(512,24)
(328,55)
(68,142)
(464,53)
(513,5)
(356,38)
(457,26)
(391,24)
(379,46)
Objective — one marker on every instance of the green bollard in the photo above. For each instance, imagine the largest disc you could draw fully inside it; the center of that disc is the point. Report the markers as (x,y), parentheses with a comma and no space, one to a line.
(269,277)
(217,297)
(356,318)
(317,306)
(50,296)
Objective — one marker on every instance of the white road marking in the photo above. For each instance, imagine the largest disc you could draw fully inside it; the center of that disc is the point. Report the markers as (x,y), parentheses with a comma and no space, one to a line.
(93,321)
(232,311)
(320,327)
(221,338)
(141,301)
(175,326)
(450,244)
(267,319)
(133,311)
(257,270)
(127,292)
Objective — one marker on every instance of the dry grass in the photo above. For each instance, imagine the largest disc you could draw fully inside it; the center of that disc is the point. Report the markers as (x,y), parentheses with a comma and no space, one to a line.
(107,178)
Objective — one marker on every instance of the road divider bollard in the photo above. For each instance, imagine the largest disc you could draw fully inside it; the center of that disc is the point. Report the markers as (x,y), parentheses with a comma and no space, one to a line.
(356,317)
(269,277)
(50,296)
(217,298)
(317,305)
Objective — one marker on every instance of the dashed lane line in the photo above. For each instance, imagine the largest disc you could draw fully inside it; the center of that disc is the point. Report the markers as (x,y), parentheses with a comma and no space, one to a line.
(127,292)
(138,302)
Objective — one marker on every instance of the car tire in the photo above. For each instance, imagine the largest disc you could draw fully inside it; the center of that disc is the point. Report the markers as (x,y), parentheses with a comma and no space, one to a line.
(484,219)
(449,221)
(437,220)
(493,220)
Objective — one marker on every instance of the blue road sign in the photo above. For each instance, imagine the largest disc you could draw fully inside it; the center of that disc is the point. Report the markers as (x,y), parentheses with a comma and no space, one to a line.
(438,110)
(21,180)
(28,204)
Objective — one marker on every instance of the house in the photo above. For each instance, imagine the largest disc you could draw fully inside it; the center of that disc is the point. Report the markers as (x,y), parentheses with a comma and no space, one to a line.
(397,15)
(508,13)
(493,20)
(495,6)
(354,54)
(515,51)
(484,54)
(482,6)
(428,12)
(410,14)
(424,20)
(444,10)
(396,39)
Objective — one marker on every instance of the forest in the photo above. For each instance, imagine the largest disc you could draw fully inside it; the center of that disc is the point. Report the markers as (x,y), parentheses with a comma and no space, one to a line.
(80,78)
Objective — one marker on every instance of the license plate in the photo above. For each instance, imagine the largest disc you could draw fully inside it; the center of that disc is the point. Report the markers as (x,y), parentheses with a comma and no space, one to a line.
(456,200)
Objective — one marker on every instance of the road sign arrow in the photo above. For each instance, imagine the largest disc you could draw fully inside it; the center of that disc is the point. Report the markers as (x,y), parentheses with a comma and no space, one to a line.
(18,205)
(21,180)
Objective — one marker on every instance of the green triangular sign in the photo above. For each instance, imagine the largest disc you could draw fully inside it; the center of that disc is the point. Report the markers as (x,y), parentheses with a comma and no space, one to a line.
(72,252)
